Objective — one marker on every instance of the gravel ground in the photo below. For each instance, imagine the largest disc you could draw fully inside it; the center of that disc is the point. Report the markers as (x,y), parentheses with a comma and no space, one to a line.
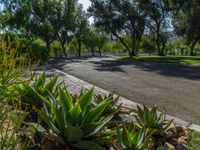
(174,88)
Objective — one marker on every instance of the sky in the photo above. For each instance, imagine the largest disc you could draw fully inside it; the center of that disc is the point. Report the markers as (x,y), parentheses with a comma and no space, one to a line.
(86,4)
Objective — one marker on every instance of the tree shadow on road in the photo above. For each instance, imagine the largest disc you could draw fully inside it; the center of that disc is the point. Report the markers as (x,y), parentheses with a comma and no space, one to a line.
(165,69)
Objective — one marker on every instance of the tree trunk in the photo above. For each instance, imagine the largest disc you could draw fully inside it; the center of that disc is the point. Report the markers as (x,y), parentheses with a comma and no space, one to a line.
(133,49)
(79,49)
(121,40)
(192,48)
(163,46)
(48,47)
(99,52)
(64,49)
(92,51)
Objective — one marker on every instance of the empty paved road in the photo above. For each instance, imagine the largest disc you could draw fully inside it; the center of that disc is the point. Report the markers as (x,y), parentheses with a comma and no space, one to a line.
(174,88)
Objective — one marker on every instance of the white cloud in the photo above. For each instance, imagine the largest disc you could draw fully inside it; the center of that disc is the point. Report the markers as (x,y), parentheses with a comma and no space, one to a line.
(86,4)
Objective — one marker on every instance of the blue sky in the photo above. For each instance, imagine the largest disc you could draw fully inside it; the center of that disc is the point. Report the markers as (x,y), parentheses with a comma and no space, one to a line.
(86,3)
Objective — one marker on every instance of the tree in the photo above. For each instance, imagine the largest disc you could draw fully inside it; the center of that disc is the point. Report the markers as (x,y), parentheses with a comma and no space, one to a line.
(187,23)
(148,45)
(66,16)
(102,41)
(158,18)
(120,18)
(91,41)
(36,17)
(82,26)
(95,39)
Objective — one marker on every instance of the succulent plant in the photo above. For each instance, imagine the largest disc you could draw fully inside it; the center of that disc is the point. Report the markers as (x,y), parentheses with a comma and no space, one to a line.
(33,94)
(113,108)
(150,118)
(74,122)
(134,138)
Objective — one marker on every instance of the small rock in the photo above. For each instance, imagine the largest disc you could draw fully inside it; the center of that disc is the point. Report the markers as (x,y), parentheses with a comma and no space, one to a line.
(170,134)
(168,146)
(180,147)
(172,128)
(184,128)
(173,141)
(179,128)
(181,140)
(161,141)
(182,133)
(160,148)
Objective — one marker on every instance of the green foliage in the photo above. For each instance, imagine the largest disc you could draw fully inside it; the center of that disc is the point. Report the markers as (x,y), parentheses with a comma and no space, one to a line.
(12,67)
(113,107)
(132,138)
(74,122)
(193,142)
(148,45)
(9,126)
(186,60)
(56,49)
(120,18)
(149,118)
(38,51)
(40,91)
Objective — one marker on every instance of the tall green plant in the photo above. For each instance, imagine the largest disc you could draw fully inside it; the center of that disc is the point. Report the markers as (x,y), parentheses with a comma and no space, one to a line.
(150,118)
(74,122)
(33,94)
(12,67)
(132,138)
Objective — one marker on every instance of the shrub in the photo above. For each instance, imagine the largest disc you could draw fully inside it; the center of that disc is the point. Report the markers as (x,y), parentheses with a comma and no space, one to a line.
(33,94)
(132,138)
(113,108)
(149,118)
(56,49)
(39,52)
(74,122)
(13,67)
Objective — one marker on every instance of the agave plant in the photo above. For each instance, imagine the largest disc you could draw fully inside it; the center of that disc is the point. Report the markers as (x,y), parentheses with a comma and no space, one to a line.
(33,94)
(75,122)
(113,108)
(134,138)
(149,118)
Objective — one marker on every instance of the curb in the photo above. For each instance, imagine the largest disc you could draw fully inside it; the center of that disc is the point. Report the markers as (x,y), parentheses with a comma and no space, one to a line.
(125,102)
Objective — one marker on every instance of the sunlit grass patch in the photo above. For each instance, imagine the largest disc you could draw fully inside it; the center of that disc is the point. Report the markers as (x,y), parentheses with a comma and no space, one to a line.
(193,140)
(187,60)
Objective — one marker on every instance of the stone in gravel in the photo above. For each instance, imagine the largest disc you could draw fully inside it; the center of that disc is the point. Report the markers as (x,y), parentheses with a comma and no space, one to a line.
(160,148)
(168,146)
(181,140)
(173,141)
(182,133)
(180,147)
(161,141)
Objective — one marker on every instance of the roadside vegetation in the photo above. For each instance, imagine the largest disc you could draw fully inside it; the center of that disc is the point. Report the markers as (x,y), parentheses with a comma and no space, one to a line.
(193,140)
(186,60)
(158,28)
(40,113)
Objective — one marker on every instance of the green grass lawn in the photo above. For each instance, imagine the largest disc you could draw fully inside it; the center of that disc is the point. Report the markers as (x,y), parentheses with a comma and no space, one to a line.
(193,142)
(188,60)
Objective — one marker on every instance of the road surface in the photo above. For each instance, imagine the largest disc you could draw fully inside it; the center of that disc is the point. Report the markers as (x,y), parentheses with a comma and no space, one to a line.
(174,88)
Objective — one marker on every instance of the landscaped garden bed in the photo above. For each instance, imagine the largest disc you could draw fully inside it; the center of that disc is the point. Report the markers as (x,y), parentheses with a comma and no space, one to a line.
(40,114)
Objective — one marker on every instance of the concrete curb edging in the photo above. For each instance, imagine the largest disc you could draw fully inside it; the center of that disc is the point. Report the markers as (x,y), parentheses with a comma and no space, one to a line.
(125,102)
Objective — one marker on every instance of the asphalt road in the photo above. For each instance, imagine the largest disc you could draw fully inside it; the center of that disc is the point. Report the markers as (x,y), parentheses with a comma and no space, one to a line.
(174,88)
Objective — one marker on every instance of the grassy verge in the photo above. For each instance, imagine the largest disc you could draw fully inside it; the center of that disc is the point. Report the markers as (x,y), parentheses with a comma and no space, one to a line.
(187,60)
(193,140)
